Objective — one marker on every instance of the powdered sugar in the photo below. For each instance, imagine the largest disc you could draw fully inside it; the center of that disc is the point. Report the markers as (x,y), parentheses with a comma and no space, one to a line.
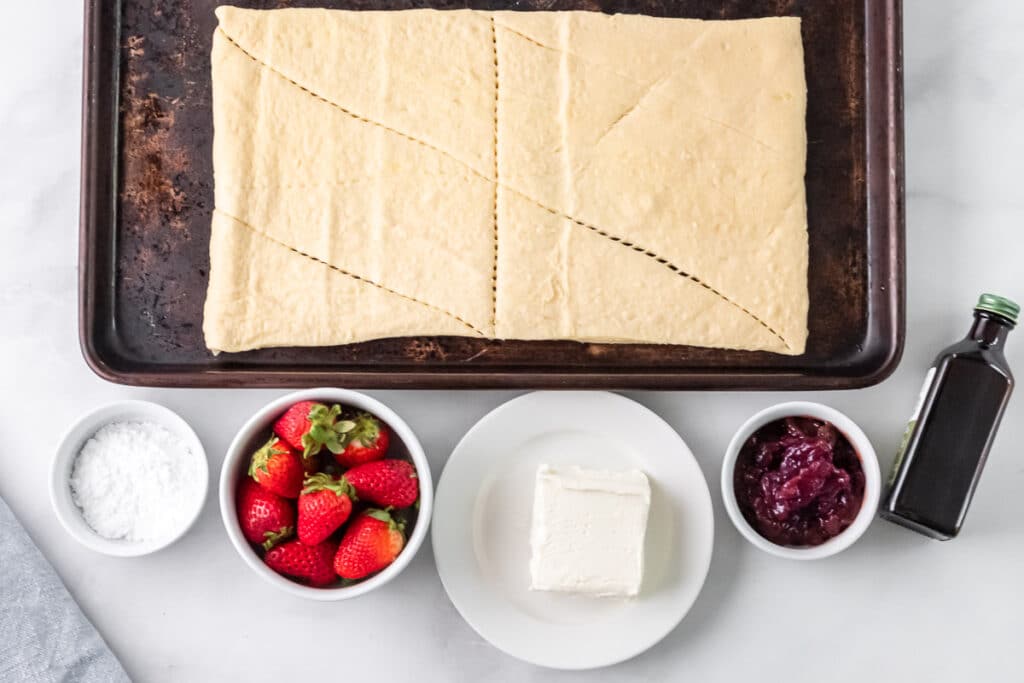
(136,481)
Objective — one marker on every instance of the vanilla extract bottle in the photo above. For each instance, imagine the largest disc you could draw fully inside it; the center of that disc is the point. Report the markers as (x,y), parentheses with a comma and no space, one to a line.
(949,437)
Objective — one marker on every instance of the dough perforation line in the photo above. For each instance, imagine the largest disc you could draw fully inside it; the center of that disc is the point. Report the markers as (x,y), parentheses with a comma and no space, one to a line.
(648,87)
(497,178)
(354,276)
(640,249)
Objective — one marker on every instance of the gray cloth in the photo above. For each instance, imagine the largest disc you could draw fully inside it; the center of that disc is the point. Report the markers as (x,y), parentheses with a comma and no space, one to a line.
(43,634)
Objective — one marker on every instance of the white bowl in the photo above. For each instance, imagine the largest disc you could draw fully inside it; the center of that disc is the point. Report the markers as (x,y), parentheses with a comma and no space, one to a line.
(257,429)
(82,430)
(860,443)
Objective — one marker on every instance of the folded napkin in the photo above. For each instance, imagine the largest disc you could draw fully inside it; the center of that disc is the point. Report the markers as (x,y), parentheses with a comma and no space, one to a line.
(43,634)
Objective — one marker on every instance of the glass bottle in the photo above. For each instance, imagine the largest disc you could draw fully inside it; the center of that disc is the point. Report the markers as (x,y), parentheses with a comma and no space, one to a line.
(948,439)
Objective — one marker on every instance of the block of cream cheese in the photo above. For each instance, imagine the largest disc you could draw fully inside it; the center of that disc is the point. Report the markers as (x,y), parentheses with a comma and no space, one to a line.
(588,530)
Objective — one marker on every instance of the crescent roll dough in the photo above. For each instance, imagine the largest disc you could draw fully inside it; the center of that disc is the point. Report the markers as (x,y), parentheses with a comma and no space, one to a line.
(515,175)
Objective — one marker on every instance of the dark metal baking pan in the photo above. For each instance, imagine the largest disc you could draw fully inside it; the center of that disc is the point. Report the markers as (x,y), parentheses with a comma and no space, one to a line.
(147,195)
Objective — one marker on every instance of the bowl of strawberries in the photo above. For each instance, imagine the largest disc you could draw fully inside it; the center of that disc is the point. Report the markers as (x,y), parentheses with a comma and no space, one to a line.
(326,493)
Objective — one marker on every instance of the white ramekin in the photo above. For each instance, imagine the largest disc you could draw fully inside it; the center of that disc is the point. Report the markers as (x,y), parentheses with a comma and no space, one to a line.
(860,443)
(251,435)
(81,431)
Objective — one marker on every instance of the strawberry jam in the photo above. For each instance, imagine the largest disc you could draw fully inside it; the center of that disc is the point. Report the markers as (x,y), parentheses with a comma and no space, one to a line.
(798,481)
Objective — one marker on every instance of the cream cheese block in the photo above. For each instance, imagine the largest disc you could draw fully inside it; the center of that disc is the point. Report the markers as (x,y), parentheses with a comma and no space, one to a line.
(509,175)
(588,530)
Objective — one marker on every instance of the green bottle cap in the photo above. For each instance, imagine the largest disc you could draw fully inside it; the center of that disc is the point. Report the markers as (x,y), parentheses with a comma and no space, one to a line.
(994,303)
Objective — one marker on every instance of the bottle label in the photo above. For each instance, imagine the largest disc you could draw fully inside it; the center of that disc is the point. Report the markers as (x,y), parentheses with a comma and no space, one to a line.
(914,417)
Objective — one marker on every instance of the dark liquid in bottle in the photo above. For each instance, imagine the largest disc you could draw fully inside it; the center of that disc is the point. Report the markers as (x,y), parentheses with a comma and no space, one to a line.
(946,446)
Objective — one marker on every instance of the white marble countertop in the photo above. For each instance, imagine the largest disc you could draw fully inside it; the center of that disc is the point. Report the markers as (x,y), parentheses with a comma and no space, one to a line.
(895,606)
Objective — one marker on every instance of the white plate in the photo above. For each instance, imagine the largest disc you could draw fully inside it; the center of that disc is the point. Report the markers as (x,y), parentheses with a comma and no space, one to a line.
(481,528)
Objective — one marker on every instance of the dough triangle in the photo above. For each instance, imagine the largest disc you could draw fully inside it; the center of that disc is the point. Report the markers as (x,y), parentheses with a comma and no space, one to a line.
(430,74)
(278,297)
(592,288)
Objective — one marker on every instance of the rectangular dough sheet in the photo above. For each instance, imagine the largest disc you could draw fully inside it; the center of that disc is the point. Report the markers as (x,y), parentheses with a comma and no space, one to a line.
(513,175)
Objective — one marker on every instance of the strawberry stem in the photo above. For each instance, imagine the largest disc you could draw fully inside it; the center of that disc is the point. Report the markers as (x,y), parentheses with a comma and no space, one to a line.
(385,516)
(272,538)
(325,482)
(262,456)
(321,431)
(365,429)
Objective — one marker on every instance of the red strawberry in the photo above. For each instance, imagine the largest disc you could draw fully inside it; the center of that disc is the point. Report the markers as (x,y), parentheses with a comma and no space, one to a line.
(310,564)
(278,468)
(265,517)
(367,441)
(324,505)
(371,542)
(309,426)
(388,483)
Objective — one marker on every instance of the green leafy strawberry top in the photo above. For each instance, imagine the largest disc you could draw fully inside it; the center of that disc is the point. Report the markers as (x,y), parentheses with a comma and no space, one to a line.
(385,516)
(325,482)
(325,430)
(365,431)
(261,457)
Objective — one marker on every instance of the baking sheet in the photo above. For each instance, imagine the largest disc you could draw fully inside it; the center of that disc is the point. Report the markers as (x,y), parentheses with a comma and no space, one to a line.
(147,195)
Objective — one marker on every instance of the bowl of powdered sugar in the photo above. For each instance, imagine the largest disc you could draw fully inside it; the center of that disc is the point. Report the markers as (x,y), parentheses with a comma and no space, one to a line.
(129,478)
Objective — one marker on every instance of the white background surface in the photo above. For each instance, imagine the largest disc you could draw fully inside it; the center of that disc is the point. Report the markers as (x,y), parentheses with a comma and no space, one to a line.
(895,606)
